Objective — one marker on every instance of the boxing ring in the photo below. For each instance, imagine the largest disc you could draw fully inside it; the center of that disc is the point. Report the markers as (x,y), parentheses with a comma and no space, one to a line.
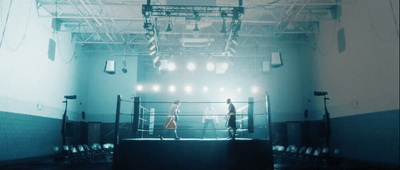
(137,144)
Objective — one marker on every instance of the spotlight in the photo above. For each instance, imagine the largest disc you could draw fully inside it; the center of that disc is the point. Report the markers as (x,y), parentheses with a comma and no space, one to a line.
(156,62)
(238,89)
(152,52)
(254,89)
(139,88)
(235,42)
(221,89)
(163,65)
(152,47)
(188,89)
(205,89)
(210,66)
(171,66)
(172,88)
(224,66)
(221,67)
(232,49)
(196,28)
(191,66)
(152,39)
(156,88)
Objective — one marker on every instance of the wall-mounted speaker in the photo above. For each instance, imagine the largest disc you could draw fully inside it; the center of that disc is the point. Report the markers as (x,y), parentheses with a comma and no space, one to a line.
(341,39)
(51,53)
(276,59)
(266,66)
(110,67)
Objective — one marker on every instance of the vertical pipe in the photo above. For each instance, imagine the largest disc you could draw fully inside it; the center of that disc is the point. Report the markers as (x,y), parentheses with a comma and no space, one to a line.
(136,110)
(268,109)
(116,133)
(250,115)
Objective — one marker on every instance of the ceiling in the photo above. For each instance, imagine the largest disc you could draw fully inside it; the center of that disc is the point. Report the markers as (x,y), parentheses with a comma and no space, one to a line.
(118,25)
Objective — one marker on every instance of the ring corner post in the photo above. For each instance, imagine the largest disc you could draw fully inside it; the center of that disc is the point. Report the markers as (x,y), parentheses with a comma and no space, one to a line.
(136,115)
(250,111)
(116,134)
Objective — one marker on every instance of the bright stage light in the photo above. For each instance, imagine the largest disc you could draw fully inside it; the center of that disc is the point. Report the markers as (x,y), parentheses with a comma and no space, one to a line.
(172,88)
(188,89)
(221,67)
(191,66)
(139,88)
(221,89)
(210,66)
(238,89)
(156,88)
(171,66)
(254,89)
(205,89)
(225,65)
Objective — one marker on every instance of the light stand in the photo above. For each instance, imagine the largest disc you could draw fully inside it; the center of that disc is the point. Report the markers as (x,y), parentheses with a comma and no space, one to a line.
(64,119)
(327,117)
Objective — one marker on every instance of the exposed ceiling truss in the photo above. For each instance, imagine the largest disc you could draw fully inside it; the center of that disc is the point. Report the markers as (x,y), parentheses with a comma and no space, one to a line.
(112,26)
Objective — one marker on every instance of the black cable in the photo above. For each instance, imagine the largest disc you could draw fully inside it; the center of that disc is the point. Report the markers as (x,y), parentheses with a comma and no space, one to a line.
(5,24)
(394,18)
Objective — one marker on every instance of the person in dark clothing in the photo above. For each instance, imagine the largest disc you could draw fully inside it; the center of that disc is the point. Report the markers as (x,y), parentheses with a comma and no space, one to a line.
(231,121)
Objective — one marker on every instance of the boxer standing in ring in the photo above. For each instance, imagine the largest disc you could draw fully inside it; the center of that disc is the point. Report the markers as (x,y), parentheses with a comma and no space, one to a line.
(171,122)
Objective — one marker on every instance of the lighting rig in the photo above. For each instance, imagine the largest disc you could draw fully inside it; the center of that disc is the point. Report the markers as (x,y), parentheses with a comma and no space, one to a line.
(193,12)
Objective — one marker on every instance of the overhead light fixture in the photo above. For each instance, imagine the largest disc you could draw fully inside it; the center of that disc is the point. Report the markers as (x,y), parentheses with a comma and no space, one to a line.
(139,88)
(156,62)
(210,66)
(163,65)
(232,49)
(152,47)
(156,88)
(172,88)
(152,39)
(188,89)
(205,89)
(169,29)
(196,28)
(152,52)
(235,42)
(221,67)
(191,66)
(254,89)
(171,66)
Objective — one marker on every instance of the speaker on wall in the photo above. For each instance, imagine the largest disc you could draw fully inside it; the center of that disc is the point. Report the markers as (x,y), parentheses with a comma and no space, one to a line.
(110,67)
(266,66)
(51,53)
(276,59)
(341,39)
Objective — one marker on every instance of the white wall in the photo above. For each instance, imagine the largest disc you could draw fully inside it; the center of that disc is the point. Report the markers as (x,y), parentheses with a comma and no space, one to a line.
(103,88)
(28,77)
(285,84)
(364,78)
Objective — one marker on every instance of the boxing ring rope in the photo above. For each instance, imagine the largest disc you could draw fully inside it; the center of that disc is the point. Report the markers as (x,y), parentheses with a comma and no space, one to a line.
(141,116)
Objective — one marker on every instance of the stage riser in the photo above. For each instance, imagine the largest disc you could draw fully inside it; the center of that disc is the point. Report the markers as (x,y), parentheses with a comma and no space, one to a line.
(194,154)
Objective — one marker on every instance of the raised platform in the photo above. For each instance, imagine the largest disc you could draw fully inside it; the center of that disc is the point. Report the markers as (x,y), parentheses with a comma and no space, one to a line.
(191,153)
